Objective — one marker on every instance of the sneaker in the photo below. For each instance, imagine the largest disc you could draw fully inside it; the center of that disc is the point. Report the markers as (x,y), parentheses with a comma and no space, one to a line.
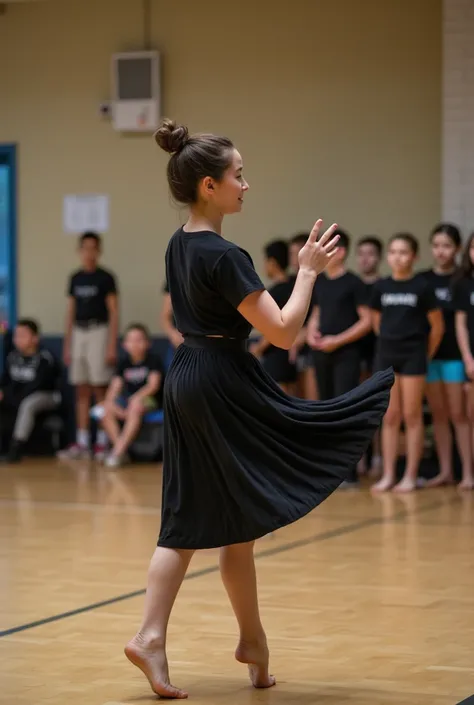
(100,453)
(115,461)
(74,452)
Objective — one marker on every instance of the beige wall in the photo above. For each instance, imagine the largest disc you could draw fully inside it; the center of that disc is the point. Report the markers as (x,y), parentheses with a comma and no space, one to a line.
(334,105)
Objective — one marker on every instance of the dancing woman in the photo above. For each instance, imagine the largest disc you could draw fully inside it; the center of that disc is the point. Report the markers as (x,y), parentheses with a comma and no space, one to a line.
(241,457)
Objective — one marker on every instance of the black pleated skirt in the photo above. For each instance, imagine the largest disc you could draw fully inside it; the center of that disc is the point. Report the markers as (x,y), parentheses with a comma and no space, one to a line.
(241,457)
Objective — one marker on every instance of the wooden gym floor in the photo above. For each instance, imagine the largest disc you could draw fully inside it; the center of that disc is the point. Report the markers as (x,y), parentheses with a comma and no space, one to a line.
(367,601)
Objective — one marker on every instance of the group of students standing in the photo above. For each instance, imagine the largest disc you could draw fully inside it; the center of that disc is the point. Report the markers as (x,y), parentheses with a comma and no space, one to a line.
(419,323)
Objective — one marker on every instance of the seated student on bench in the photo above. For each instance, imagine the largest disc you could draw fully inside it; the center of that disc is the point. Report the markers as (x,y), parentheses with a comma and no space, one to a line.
(135,389)
(28,386)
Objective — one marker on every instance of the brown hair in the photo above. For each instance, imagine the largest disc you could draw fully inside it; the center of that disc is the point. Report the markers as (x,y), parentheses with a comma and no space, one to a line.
(193,157)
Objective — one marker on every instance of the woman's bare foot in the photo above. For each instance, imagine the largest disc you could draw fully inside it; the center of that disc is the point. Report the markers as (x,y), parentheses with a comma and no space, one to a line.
(150,657)
(405,485)
(383,485)
(440,480)
(256,656)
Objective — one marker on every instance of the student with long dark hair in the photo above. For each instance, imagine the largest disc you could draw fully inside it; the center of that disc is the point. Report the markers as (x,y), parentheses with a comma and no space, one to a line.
(446,376)
(410,326)
(464,307)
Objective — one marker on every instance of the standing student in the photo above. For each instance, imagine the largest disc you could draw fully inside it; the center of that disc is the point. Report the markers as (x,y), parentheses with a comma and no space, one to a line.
(410,326)
(446,376)
(300,354)
(368,257)
(339,319)
(90,341)
(276,360)
(241,457)
(464,308)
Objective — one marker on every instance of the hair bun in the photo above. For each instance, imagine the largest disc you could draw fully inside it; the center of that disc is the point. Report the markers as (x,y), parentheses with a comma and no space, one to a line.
(171,137)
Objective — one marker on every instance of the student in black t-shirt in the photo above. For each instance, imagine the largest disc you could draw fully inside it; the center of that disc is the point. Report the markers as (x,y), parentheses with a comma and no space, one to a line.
(410,326)
(446,375)
(135,389)
(90,341)
(368,257)
(28,386)
(339,319)
(168,324)
(301,354)
(463,287)
(276,360)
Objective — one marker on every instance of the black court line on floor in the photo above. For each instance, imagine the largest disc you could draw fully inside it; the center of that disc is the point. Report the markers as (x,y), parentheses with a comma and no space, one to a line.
(323,536)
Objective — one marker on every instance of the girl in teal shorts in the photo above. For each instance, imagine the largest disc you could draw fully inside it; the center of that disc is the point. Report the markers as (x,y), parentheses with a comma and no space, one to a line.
(446,375)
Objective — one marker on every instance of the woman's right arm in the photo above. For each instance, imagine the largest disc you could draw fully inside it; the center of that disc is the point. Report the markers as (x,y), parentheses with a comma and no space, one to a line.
(281,326)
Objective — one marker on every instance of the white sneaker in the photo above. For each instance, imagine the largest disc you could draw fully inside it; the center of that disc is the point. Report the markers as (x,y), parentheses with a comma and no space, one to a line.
(115,461)
(74,452)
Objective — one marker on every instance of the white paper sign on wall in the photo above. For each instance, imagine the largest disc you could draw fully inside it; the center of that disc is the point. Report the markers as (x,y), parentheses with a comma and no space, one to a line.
(85,212)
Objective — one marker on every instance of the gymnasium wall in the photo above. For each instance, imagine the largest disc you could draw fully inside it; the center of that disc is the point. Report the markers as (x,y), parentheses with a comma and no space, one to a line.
(335,107)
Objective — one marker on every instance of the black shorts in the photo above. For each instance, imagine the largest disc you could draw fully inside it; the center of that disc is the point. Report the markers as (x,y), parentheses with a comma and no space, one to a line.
(408,357)
(278,366)
(367,346)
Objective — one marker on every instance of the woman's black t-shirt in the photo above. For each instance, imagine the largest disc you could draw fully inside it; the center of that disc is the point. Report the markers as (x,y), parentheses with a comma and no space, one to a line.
(338,300)
(208,277)
(441,285)
(404,305)
(463,300)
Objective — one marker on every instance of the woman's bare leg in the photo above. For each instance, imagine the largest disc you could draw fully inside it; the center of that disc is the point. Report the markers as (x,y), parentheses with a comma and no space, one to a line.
(147,649)
(238,575)
(412,408)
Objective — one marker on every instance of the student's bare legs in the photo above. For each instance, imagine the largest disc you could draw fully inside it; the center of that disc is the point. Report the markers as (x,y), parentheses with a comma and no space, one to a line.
(448,404)
(110,423)
(131,427)
(83,402)
(238,575)
(435,393)
(462,429)
(412,388)
(147,649)
(390,439)
(469,395)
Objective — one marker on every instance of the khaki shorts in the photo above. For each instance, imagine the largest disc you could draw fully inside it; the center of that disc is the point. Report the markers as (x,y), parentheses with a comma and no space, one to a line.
(88,351)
